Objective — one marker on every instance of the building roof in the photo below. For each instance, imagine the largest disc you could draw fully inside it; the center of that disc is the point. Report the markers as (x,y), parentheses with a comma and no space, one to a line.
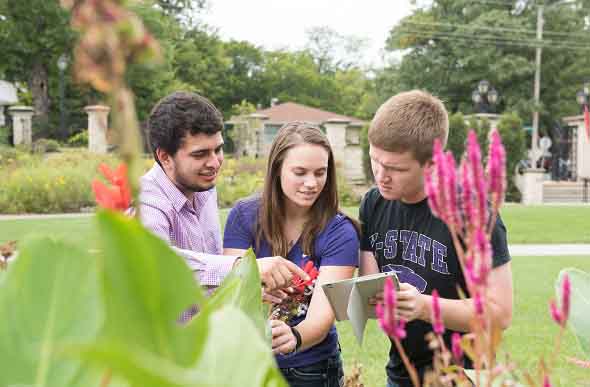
(291,111)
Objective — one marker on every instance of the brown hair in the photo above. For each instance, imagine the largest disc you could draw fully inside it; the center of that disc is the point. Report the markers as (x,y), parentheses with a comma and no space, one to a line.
(410,121)
(271,215)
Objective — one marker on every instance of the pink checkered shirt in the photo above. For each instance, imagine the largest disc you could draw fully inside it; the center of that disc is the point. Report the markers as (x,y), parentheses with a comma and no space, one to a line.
(188,225)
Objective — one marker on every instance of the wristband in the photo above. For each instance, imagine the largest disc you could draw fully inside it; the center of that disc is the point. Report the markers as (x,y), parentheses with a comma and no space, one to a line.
(297,338)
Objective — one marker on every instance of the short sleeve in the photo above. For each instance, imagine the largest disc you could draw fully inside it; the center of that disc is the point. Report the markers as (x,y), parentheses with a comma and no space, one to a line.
(501,254)
(238,229)
(340,244)
(365,244)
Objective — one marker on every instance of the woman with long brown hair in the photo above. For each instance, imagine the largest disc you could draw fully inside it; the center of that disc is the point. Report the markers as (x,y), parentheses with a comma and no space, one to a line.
(298,217)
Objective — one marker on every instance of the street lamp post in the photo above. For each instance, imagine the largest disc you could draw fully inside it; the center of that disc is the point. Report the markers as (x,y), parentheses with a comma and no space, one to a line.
(62,64)
(484,97)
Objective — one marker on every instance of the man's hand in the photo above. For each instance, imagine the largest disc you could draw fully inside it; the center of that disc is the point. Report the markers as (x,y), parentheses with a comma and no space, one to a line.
(277,272)
(411,304)
(283,340)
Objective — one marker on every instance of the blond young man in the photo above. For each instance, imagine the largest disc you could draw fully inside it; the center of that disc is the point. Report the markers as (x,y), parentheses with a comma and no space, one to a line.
(400,233)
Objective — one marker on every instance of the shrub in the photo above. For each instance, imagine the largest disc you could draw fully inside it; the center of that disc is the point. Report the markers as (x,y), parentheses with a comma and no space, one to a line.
(79,139)
(239,178)
(44,145)
(4,135)
(61,183)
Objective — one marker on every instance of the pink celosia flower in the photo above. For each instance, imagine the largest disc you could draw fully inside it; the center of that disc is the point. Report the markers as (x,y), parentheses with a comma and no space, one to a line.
(478,183)
(560,316)
(496,170)
(478,303)
(393,327)
(437,323)
(456,347)
(546,382)
(479,264)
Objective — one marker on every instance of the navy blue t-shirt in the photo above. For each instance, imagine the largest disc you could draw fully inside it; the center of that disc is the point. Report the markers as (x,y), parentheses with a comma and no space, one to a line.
(336,245)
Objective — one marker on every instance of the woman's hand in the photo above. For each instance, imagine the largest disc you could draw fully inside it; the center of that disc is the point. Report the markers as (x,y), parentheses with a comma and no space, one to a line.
(283,340)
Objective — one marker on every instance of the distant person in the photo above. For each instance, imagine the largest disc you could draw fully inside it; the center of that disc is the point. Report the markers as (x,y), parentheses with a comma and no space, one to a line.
(298,217)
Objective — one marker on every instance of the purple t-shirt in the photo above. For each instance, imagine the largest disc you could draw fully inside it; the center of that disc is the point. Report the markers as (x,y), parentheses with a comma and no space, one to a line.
(336,245)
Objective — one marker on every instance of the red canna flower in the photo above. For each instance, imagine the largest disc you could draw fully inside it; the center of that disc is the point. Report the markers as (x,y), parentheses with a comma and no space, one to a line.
(116,197)
(299,284)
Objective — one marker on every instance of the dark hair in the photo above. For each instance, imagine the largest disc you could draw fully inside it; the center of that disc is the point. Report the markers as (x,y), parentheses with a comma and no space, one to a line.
(178,114)
(271,216)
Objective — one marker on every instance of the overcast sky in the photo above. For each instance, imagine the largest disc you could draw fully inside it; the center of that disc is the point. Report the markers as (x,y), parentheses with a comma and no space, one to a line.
(275,24)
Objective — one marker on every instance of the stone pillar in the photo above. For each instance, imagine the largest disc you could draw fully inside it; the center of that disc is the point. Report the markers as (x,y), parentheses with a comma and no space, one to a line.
(97,128)
(2,118)
(22,120)
(256,135)
(532,186)
(336,133)
(582,147)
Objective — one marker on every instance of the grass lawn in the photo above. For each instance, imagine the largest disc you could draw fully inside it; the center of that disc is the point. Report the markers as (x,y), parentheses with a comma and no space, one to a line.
(532,331)
(526,224)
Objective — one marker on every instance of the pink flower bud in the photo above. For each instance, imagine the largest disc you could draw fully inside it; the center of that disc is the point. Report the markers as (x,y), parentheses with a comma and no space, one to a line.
(450,188)
(477,181)
(546,382)
(430,188)
(456,347)
(386,313)
(437,323)
(496,170)
(565,297)
(555,313)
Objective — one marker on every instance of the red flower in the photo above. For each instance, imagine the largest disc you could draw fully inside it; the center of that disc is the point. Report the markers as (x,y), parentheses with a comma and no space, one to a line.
(118,196)
(299,284)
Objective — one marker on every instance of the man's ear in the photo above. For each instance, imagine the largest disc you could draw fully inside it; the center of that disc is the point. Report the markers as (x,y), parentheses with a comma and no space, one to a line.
(163,156)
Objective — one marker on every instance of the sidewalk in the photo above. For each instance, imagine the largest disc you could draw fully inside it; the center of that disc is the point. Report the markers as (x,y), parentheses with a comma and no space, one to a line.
(536,250)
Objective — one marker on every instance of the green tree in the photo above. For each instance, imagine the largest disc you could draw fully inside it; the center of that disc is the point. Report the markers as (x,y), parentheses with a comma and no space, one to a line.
(457,135)
(510,128)
(33,34)
(450,45)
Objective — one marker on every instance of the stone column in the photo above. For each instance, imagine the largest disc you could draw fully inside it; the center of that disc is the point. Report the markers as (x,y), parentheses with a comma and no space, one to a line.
(2,119)
(532,186)
(582,147)
(22,132)
(97,127)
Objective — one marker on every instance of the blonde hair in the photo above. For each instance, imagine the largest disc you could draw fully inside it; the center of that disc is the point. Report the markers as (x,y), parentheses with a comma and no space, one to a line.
(410,121)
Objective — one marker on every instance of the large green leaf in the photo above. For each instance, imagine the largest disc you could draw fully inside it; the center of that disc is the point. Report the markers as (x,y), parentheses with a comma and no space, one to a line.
(242,289)
(49,298)
(579,320)
(235,353)
(146,287)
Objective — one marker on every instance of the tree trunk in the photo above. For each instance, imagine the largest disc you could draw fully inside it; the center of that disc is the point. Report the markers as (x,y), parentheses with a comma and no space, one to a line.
(38,84)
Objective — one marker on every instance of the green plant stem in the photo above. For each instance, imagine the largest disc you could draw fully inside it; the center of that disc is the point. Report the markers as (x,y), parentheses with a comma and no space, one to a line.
(409,367)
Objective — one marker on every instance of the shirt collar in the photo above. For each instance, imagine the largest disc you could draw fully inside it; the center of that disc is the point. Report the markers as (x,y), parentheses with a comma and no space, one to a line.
(179,201)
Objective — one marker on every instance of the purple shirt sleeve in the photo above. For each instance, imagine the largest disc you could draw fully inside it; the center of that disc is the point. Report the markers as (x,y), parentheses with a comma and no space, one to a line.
(238,230)
(211,269)
(340,244)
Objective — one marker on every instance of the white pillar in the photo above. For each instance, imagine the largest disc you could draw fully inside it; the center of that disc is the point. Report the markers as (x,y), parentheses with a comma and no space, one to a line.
(22,124)
(582,147)
(97,127)
(532,187)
